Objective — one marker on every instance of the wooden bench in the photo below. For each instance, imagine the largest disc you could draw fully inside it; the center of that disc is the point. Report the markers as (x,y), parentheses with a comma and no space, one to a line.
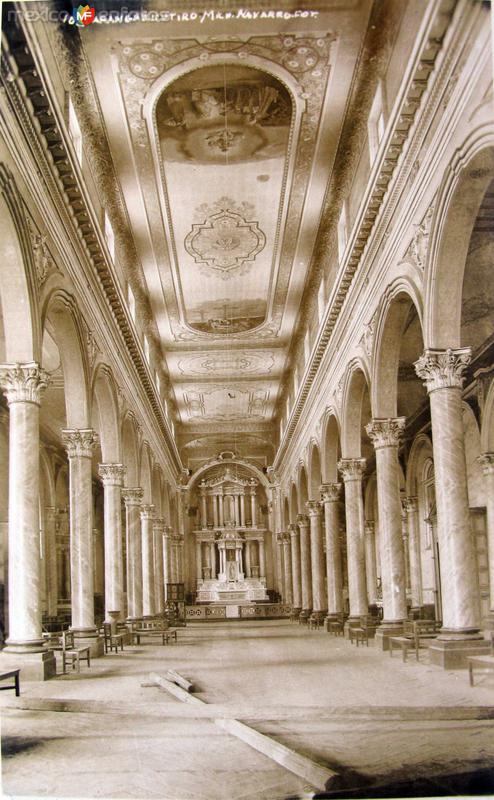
(165,634)
(314,622)
(406,643)
(336,626)
(481,663)
(12,673)
(73,654)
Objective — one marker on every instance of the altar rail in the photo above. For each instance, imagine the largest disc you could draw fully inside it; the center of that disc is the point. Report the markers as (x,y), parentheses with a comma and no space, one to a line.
(204,613)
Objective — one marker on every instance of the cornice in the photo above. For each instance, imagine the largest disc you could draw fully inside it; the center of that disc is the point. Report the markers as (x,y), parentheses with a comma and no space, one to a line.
(384,188)
(40,124)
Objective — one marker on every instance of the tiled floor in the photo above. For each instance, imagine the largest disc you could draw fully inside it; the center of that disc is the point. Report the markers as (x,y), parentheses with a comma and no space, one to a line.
(366,716)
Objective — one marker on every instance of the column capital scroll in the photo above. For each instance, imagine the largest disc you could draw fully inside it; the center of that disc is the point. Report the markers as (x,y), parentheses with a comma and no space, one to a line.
(303,520)
(352,469)
(443,369)
(279,538)
(386,432)
(132,497)
(23,383)
(486,461)
(293,528)
(112,474)
(79,442)
(330,492)
(159,524)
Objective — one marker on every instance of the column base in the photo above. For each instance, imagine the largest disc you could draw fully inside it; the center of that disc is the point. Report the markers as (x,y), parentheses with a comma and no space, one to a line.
(90,638)
(351,622)
(450,653)
(304,615)
(39,666)
(385,630)
(488,621)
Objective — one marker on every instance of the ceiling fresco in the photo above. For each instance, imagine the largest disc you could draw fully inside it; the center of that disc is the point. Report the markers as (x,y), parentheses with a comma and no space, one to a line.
(223,140)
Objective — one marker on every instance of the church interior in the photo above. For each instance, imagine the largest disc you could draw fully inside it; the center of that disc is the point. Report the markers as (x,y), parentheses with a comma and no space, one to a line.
(247,399)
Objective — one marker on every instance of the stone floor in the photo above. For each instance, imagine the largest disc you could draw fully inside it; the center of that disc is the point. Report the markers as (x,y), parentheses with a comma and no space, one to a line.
(382,725)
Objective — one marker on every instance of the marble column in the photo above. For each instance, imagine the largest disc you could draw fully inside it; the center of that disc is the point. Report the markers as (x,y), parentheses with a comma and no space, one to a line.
(198,560)
(133,499)
(314,512)
(242,510)
(385,435)
(204,511)
(486,461)
(23,386)
(79,444)
(330,493)
(262,558)
(411,508)
(159,526)
(248,573)
(253,505)
(51,561)
(279,551)
(442,372)
(167,565)
(370,561)
(352,470)
(112,476)
(212,558)
(287,562)
(214,498)
(148,598)
(221,510)
(296,575)
(305,566)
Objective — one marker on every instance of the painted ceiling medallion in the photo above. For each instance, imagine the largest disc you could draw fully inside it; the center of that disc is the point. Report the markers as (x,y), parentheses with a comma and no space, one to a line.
(225,240)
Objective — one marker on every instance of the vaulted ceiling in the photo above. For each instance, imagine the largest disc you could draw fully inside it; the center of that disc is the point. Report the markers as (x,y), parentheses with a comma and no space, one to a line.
(223,136)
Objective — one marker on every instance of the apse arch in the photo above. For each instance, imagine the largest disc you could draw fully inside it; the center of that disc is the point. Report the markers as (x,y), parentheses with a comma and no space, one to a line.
(232,462)
(459,199)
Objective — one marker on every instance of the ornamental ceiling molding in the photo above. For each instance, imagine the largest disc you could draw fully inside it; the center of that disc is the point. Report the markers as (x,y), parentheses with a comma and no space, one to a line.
(36,121)
(257,403)
(384,194)
(145,68)
(228,363)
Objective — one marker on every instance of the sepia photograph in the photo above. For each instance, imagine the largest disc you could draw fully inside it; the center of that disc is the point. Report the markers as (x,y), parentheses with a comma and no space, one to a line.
(246,399)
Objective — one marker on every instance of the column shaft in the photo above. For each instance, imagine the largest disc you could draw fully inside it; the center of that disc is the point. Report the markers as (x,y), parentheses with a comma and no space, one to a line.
(51,561)
(112,475)
(317,559)
(305,565)
(133,499)
(330,494)
(148,598)
(262,558)
(487,463)
(159,588)
(287,560)
(370,562)
(296,575)
(352,470)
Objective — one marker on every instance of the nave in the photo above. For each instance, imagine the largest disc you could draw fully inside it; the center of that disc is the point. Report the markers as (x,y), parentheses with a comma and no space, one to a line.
(374,721)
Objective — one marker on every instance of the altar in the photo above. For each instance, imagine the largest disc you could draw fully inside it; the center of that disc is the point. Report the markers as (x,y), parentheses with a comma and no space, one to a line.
(230,549)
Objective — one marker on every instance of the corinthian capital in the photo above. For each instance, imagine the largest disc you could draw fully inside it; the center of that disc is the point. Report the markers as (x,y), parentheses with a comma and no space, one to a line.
(279,538)
(293,529)
(410,504)
(79,442)
(303,520)
(352,469)
(330,492)
(443,369)
(147,511)
(313,508)
(112,474)
(159,525)
(386,432)
(486,461)
(132,497)
(23,383)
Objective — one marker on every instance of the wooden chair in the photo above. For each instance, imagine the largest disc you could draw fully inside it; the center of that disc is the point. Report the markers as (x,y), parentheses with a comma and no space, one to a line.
(112,640)
(336,626)
(73,654)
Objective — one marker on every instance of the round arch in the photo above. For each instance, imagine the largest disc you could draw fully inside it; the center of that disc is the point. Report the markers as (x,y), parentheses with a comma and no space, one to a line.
(315,473)
(130,459)
(355,387)
(459,200)
(330,447)
(391,324)
(197,476)
(146,474)
(303,489)
(18,286)
(105,407)
(61,319)
(292,517)
(487,428)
